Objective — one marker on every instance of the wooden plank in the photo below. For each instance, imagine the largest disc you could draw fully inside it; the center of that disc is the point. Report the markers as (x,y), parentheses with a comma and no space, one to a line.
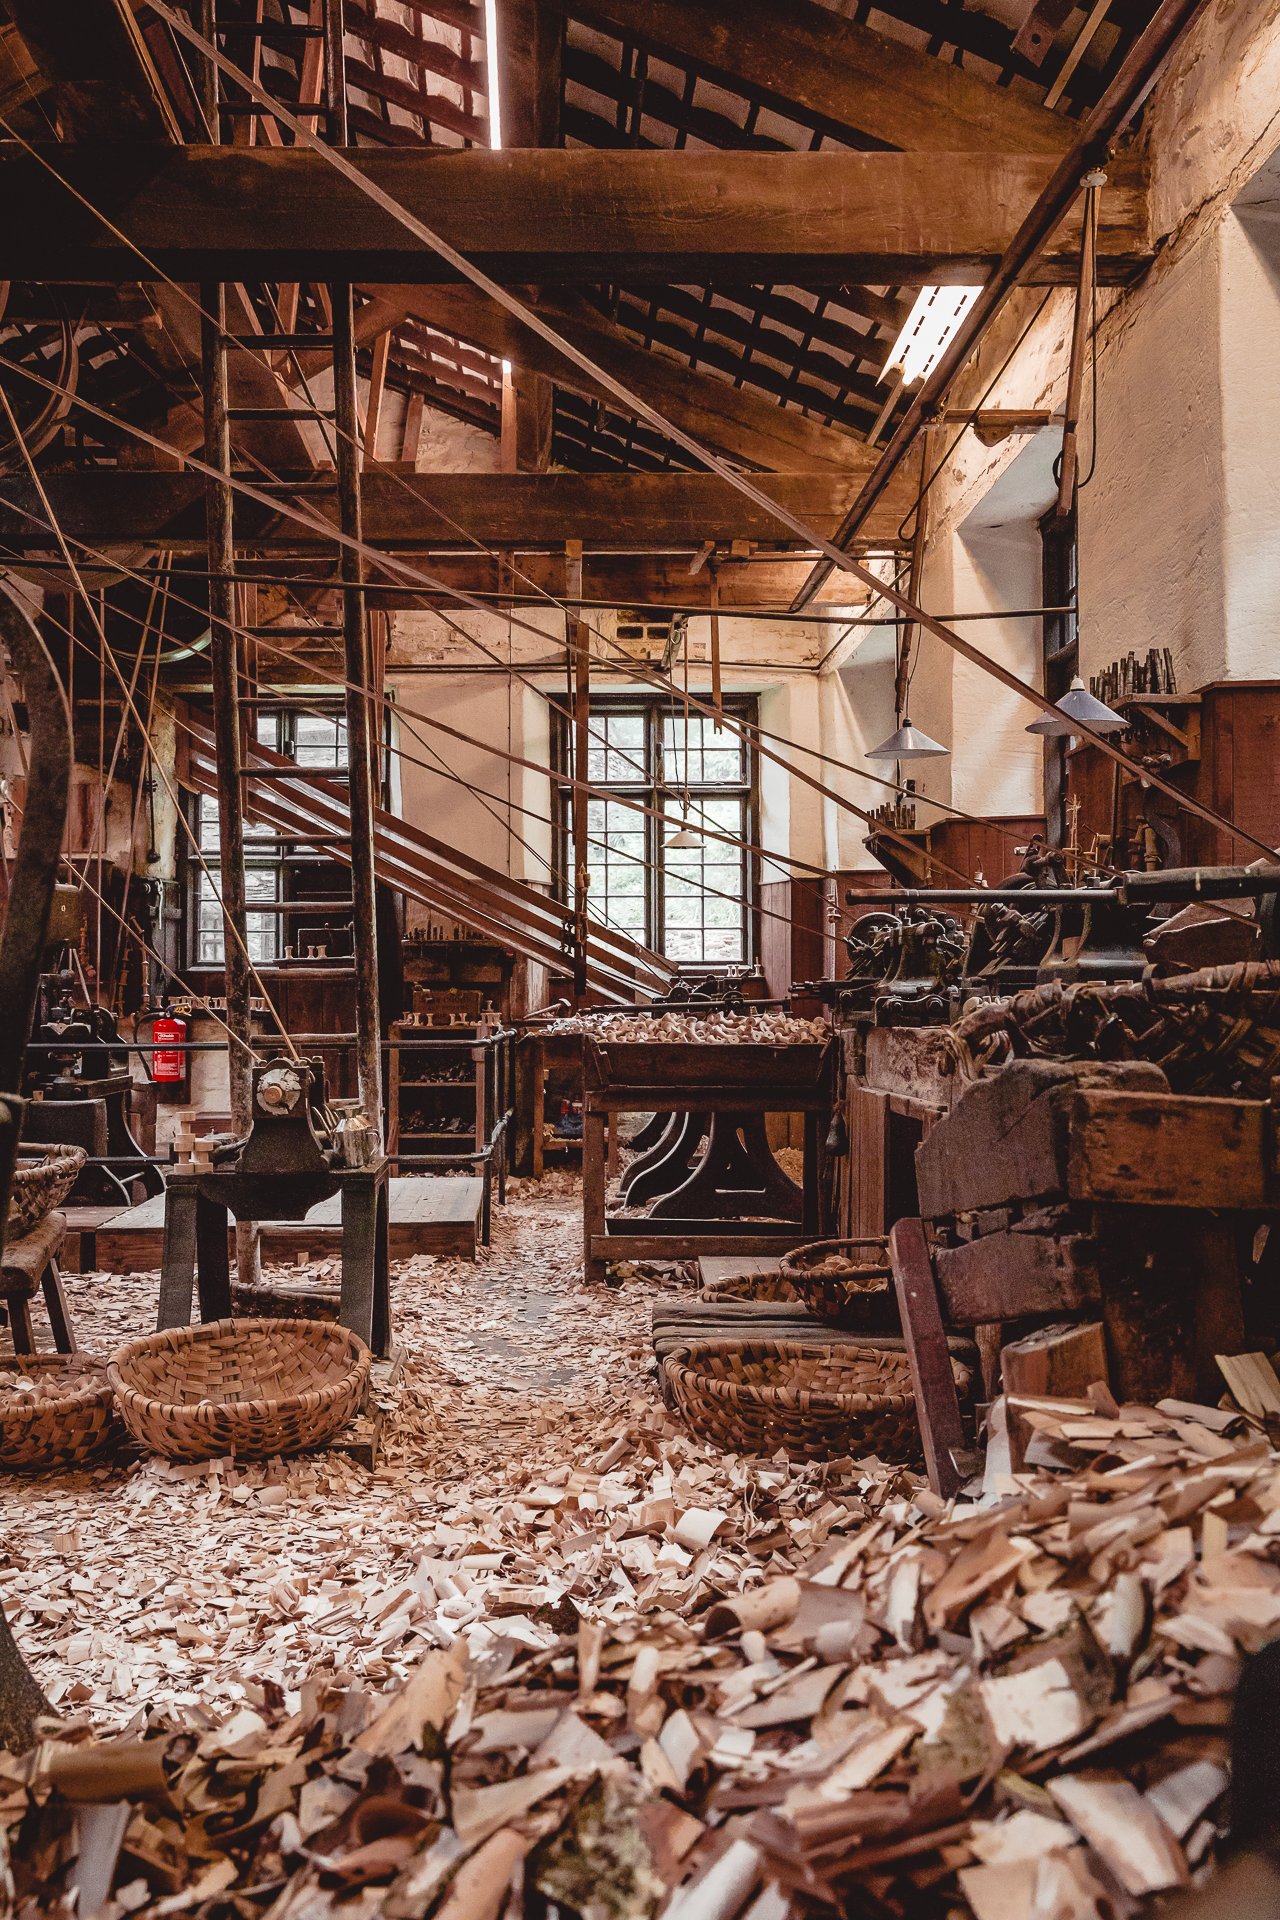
(629,215)
(413,513)
(1007,1139)
(427,1215)
(937,1402)
(839,72)
(733,420)
(1174,1150)
(1004,1276)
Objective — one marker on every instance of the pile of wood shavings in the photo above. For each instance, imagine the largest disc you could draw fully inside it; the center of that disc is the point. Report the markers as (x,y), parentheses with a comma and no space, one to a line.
(556,1651)
(830,1694)
(762,1027)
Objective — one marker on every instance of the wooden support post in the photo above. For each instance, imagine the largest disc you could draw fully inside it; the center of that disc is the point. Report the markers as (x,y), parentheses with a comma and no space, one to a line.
(361,736)
(576,634)
(1079,347)
(594,1181)
(220,548)
(717,694)
(919,542)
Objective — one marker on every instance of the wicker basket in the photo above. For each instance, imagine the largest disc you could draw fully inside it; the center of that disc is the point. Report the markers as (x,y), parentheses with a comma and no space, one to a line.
(772,1395)
(848,1283)
(250,1388)
(41,1183)
(64,1416)
(752,1286)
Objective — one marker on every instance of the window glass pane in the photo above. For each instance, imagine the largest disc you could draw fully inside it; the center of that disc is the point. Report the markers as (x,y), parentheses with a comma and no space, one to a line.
(319,741)
(705,913)
(617,754)
(715,757)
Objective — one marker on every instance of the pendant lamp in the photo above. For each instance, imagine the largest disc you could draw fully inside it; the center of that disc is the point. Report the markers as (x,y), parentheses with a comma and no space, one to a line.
(1078,706)
(908,743)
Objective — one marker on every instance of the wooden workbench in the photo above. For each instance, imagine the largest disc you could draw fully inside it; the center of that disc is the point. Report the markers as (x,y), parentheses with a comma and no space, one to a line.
(666,1077)
(427,1216)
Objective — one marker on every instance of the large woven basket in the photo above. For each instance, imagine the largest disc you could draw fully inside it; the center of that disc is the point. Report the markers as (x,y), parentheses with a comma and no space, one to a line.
(56,1410)
(772,1395)
(848,1283)
(250,1388)
(41,1182)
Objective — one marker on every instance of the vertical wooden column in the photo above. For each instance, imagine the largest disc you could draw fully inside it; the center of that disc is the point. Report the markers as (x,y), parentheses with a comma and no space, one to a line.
(220,545)
(361,735)
(580,666)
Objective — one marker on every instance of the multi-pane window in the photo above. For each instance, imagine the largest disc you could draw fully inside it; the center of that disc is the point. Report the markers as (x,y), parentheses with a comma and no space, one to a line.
(316,740)
(683,884)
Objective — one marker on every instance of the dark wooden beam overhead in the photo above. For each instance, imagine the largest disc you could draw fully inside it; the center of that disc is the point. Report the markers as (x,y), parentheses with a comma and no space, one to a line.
(571,216)
(421,512)
(734,421)
(530,39)
(94,56)
(840,74)
(630,580)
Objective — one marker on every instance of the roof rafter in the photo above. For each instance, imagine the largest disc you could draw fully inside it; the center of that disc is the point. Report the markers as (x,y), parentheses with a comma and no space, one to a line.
(843,75)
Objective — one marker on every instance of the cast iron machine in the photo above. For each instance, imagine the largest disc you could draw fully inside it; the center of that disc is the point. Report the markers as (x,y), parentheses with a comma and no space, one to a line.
(80,1072)
(301,1149)
(1091,932)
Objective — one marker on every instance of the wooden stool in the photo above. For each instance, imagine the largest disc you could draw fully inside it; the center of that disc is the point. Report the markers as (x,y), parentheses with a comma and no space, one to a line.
(30,1266)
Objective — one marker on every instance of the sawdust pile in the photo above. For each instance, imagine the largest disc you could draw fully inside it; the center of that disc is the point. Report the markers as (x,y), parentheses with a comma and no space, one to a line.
(558,1658)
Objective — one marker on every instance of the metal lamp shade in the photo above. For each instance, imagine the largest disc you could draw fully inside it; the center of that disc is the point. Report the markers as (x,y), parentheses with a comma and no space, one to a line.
(1078,708)
(908,743)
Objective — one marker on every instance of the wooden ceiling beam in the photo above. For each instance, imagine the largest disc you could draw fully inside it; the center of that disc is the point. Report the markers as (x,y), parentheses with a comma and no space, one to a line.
(628,580)
(839,73)
(420,512)
(567,216)
(733,420)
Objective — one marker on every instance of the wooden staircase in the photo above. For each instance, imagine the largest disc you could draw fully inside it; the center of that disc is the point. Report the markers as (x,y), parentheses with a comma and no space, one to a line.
(456,884)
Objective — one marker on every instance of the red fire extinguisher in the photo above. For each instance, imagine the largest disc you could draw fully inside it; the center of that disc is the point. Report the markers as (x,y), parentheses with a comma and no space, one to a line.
(168,1065)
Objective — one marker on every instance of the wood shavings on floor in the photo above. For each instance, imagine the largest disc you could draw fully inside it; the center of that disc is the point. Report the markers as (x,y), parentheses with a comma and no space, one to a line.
(557,1658)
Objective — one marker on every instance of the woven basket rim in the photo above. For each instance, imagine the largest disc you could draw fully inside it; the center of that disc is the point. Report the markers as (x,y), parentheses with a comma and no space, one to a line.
(21,1407)
(795,1266)
(174,1339)
(682,1363)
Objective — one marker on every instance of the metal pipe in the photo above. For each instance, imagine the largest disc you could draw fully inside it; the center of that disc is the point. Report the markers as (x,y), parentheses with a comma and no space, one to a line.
(1172,883)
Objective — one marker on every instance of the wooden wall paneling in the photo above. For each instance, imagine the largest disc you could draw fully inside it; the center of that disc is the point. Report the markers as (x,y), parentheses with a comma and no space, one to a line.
(775,935)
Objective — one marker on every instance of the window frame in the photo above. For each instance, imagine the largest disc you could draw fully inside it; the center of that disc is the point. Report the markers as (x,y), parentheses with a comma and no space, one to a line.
(653,789)
(279,861)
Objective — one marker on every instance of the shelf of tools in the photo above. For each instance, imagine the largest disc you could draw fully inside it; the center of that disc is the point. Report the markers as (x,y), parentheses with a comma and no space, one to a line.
(451,1100)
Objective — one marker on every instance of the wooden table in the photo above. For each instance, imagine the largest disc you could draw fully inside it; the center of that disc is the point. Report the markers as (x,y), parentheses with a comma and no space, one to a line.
(427,1216)
(674,1077)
